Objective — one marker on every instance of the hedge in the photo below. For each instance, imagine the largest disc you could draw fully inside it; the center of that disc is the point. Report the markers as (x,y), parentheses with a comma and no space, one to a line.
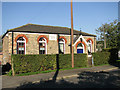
(80,60)
(35,63)
(113,54)
(107,56)
(100,58)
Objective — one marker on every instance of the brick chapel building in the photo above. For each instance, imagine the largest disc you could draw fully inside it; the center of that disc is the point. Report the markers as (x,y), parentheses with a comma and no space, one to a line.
(41,39)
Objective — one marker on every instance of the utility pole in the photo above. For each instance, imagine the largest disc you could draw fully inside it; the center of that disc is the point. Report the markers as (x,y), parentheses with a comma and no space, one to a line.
(72,35)
(104,38)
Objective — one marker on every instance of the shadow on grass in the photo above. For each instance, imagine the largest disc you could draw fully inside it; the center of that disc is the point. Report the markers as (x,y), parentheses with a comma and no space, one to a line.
(85,80)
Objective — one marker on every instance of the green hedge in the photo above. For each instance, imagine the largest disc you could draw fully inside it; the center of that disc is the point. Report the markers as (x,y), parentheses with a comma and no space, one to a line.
(80,60)
(64,61)
(113,54)
(35,63)
(107,56)
(100,58)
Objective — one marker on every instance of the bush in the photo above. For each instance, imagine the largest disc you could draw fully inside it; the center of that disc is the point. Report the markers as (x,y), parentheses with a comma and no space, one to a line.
(100,58)
(33,63)
(113,54)
(64,61)
(80,60)
(38,63)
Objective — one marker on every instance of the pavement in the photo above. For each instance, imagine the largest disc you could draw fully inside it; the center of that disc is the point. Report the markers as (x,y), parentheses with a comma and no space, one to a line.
(15,81)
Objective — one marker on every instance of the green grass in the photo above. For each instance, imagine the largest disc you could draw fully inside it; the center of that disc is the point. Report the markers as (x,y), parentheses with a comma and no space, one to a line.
(32,73)
(48,71)
(102,65)
(118,60)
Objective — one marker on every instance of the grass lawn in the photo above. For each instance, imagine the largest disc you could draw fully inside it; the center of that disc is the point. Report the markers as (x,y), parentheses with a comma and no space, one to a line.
(48,71)
(118,60)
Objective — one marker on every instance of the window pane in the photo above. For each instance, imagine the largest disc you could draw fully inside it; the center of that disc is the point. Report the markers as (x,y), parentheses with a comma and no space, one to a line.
(19,52)
(22,52)
(61,48)
(21,39)
(80,45)
(42,51)
(20,48)
(42,48)
(40,44)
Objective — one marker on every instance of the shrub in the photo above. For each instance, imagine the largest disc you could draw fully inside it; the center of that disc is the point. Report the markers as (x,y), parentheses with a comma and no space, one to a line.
(80,60)
(100,58)
(38,63)
(64,61)
(33,63)
(113,54)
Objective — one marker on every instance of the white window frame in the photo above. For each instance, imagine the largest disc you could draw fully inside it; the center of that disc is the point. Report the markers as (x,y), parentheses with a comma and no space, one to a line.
(63,45)
(45,44)
(23,42)
(81,48)
(90,43)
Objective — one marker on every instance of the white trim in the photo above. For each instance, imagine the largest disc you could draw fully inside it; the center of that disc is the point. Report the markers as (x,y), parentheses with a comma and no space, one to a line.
(90,45)
(45,45)
(30,33)
(64,44)
(81,48)
(24,42)
(39,33)
(79,39)
(42,41)
(21,41)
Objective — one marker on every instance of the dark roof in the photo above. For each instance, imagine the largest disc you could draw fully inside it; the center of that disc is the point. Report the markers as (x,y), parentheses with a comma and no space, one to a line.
(74,40)
(47,29)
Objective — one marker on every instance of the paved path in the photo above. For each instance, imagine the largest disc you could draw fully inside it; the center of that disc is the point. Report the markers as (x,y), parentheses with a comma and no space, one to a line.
(13,82)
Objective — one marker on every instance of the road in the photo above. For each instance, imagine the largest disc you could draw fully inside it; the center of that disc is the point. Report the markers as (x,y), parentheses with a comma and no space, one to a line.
(0,77)
(106,79)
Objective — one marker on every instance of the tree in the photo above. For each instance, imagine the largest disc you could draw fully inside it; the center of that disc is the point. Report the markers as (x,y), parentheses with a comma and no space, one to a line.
(119,35)
(109,33)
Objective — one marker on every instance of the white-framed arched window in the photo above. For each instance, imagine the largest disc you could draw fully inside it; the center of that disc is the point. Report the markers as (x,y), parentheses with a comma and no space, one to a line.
(42,46)
(89,46)
(61,46)
(21,45)
(80,48)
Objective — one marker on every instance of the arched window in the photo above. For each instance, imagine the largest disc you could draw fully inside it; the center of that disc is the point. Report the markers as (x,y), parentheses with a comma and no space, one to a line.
(61,46)
(89,46)
(42,46)
(21,42)
(80,48)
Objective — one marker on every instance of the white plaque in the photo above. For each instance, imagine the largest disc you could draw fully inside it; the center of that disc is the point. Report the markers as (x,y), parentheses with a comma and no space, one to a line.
(52,37)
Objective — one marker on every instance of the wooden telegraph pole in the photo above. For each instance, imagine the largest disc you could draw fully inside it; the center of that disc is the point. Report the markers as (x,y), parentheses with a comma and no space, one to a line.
(72,35)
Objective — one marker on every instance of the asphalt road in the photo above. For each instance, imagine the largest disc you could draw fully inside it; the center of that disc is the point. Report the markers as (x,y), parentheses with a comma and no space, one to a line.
(0,77)
(107,79)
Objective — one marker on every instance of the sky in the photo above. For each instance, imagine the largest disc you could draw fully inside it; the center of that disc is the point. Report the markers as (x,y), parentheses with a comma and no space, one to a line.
(86,15)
